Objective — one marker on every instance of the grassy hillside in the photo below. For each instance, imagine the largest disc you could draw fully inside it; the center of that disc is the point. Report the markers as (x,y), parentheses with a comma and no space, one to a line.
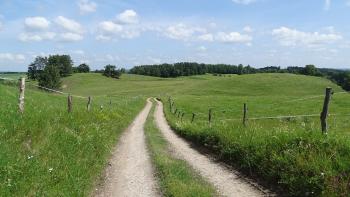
(291,151)
(48,152)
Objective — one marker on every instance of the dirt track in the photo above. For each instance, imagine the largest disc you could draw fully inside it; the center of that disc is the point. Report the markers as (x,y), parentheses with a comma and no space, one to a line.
(225,181)
(130,170)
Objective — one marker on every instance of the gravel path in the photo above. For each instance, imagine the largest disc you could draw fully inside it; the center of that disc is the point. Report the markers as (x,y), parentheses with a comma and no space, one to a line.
(225,181)
(130,171)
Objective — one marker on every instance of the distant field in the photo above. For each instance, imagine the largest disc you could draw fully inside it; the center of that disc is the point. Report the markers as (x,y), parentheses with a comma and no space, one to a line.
(290,151)
(12,76)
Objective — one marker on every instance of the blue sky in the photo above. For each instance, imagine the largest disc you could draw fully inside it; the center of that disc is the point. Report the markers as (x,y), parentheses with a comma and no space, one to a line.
(127,33)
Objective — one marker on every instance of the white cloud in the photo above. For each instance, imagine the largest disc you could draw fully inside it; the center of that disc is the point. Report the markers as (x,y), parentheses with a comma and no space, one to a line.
(71,37)
(38,36)
(248,29)
(110,27)
(128,17)
(293,37)
(12,57)
(36,23)
(69,25)
(1,26)
(327,4)
(244,2)
(87,6)
(103,38)
(233,37)
(206,37)
(181,31)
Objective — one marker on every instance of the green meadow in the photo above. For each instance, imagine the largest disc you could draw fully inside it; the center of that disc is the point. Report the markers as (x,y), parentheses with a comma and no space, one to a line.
(289,153)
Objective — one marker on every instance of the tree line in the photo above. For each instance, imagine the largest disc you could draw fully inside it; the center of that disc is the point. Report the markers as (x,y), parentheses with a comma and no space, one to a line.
(48,71)
(341,77)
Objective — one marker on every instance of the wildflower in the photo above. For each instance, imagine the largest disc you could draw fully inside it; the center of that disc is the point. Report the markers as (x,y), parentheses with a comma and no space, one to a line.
(30,157)
(50,169)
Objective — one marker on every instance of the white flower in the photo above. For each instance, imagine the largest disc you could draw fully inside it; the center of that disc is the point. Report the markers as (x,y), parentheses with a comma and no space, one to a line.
(50,169)
(30,157)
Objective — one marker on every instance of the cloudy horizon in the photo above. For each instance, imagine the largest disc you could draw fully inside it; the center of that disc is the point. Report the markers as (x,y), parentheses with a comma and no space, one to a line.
(128,33)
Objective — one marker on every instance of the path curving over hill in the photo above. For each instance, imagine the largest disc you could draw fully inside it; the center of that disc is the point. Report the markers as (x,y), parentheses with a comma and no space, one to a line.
(130,169)
(227,182)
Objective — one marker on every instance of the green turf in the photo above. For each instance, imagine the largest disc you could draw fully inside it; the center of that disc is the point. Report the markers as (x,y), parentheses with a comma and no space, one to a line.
(290,152)
(175,177)
(48,152)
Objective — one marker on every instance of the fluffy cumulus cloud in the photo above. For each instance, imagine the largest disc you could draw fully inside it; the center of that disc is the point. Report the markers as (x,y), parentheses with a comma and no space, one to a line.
(128,17)
(244,2)
(86,6)
(206,37)
(12,57)
(109,27)
(70,37)
(36,23)
(181,31)
(36,36)
(126,27)
(293,37)
(233,37)
(40,29)
(69,25)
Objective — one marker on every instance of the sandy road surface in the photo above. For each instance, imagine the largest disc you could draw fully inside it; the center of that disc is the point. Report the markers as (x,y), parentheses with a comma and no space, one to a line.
(130,170)
(226,181)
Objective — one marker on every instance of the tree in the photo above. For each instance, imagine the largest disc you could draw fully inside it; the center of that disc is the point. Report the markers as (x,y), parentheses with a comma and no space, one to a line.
(63,63)
(83,68)
(310,70)
(36,67)
(111,71)
(50,77)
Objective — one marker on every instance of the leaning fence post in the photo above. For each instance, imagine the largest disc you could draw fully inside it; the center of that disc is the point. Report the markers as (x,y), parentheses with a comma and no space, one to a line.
(70,99)
(245,109)
(182,115)
(22,85)
(193,115)
(324,112)
(210,116)
(89,103)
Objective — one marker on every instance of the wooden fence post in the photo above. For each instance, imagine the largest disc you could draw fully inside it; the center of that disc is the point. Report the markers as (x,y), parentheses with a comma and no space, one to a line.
(70,104)
(245,109)
(210,116)
(89,103)
(193,116)
(22,85)
(324,112)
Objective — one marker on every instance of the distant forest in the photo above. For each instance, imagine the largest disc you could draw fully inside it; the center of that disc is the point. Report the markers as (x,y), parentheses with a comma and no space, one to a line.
(341,77)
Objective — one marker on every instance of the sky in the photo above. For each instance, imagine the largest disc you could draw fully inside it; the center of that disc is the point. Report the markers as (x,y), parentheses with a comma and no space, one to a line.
(126,33)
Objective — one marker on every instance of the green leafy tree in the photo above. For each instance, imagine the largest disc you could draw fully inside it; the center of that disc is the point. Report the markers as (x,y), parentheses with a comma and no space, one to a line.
(50,77)
(36,67)
(63,63)
(310,70)
(111,71)
(83,68)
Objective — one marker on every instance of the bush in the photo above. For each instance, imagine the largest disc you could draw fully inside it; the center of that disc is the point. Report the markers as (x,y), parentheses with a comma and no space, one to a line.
(50,77)
(111,71)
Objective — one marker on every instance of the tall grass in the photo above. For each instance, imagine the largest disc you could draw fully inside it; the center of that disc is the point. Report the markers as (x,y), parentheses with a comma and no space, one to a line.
(48,152)
(294,155)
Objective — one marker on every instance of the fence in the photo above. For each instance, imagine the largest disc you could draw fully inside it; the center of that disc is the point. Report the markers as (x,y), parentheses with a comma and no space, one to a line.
(22,86)
(324,113)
